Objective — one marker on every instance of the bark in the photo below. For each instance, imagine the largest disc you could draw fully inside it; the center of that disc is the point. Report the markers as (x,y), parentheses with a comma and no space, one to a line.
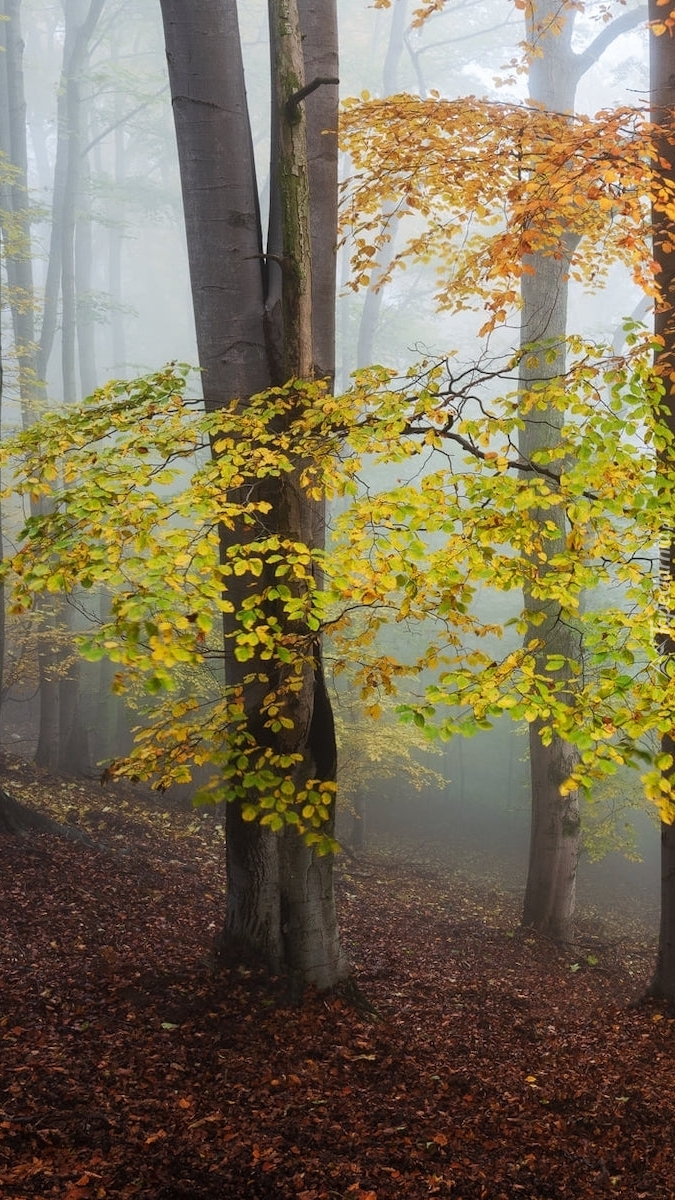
(2,529)
(116,218)
(555,828)
(662,86)
(555,71)
(318,21)
(372,304)
(218,181)
(254,319)
(81,17)
(289,191)
(50,651)
(15,203)
(81,20)
(84,315)
(554,841)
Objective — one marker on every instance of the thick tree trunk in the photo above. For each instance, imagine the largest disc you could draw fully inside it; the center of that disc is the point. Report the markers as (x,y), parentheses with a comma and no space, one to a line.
(215,151)
(662,85)
(253,331)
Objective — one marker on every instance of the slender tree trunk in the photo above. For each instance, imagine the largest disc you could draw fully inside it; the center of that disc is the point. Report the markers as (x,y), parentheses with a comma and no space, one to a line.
(81,19)
(662,85)
(555,827)
(116,218)
(318,21)
(555,71)
(16,206)
(84,314)
(50,652)
(255,326)
(372,303)
(57,710)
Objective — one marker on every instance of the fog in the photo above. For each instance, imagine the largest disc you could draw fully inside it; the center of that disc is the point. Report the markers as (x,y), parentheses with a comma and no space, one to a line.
(134,311)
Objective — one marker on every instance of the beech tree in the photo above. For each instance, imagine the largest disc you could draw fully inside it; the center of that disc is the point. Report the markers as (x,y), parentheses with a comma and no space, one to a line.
(555,70)
(470,508)
(662,87)
(542,253)
(264,316)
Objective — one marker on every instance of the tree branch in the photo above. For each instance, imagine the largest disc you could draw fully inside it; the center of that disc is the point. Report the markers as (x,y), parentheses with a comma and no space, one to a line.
(294,100)
(622,24)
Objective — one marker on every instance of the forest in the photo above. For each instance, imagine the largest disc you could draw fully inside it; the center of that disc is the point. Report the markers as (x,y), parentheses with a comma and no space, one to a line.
(337,590)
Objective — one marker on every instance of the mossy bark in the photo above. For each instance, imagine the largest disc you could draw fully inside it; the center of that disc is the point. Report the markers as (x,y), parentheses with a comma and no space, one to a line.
(254,319)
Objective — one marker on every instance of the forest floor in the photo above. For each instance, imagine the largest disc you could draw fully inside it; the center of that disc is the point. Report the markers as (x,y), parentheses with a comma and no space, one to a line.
(494,1065)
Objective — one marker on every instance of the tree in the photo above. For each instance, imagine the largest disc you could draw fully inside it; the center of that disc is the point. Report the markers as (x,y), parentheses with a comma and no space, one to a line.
(542,253)
(258,326)
(554,73)
(662,88)
(467,508)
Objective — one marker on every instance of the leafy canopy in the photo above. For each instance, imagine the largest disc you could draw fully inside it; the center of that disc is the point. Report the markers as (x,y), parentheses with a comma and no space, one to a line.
(135,503)
(133,500)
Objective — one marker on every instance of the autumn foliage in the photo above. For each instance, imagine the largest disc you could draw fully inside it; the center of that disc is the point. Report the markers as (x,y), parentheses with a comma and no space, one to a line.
(135,501)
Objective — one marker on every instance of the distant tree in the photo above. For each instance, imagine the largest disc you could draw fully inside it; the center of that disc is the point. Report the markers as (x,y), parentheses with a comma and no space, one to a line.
(662,86)
(542,247)
(555,70)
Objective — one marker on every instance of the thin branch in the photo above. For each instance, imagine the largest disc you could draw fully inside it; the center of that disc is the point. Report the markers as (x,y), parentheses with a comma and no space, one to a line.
(123,119)
(294,100)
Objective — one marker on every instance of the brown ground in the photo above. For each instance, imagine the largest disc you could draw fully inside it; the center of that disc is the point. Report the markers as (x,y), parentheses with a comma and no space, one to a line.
(495,1066)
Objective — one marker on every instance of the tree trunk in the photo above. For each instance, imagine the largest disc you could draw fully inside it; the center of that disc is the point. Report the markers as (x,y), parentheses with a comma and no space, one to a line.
(555,829)
(555,71)
(115,221)
(318,21)
(58,708)
(81,20)
(255,325)
(662,985)
(372,304)
(662,87)
(16,208)
(554,840)
(84,311)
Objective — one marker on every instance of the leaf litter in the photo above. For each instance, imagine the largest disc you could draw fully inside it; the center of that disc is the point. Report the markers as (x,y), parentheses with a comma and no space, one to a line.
(488,1068)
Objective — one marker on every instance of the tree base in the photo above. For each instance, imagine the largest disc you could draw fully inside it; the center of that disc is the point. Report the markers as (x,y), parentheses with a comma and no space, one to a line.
(18,820)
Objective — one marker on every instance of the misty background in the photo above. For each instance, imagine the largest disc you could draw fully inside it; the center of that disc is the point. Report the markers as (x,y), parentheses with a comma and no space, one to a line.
(467,799)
